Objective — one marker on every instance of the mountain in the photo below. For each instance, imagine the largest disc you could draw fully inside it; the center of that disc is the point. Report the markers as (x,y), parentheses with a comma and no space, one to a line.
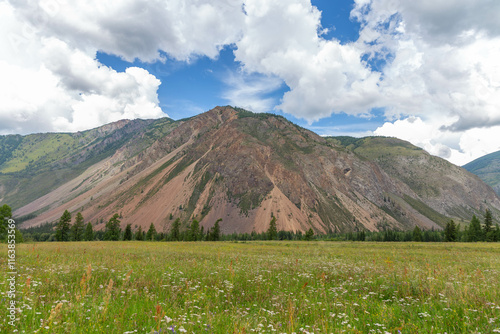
(239,166)
(488,169)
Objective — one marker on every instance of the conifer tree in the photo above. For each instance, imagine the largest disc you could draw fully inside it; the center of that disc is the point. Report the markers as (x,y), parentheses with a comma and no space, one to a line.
(139,235)
(89,232)
(150,236)
(113,229)
(77,228)
(215,231)
(127,235)
(63,227)
(309,234)
(202,233)
(488,232)
(450,232)
(474,231)
(497,234)
(417,234)
(175,230)
(272,231)
(194,231)
(5,215)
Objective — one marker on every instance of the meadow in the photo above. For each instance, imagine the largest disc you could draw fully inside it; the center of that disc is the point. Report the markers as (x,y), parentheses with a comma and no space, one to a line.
(254,287)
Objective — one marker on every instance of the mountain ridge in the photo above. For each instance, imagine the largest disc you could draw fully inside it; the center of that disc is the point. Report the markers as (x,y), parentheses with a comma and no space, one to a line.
(488,169)
(245,168)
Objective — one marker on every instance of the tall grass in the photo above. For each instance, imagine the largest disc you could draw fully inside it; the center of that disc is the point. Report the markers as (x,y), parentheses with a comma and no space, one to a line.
(263,287)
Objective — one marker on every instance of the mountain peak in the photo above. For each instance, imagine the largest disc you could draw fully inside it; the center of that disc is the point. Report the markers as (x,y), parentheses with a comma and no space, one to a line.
(246,168)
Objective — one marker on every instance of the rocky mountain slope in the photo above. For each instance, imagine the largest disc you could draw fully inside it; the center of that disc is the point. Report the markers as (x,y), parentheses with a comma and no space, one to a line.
(488,169)
(242,167)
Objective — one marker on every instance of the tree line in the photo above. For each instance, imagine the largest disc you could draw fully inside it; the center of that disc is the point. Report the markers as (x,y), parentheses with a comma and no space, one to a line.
(474,232)
(63,230)
(79,231)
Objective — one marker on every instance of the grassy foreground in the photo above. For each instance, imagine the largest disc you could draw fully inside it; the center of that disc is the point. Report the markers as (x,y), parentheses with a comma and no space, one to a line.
(266,287)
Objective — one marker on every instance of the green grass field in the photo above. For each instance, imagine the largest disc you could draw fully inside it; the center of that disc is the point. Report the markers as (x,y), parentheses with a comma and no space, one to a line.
(255,287)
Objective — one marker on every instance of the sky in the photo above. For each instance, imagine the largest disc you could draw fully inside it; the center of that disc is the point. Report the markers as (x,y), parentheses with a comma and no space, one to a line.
(423,71)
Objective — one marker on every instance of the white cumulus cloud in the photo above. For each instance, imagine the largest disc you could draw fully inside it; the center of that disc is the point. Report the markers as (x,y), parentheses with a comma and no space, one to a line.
(137,28)
(283,39)
(440,68)
(48,85)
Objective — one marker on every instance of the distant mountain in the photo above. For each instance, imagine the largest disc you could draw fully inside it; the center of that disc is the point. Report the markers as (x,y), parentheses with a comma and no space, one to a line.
(32,166)
(239,166)
(488,169)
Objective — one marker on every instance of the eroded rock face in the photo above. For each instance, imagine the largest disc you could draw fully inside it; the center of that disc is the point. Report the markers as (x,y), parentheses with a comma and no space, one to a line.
(245,168)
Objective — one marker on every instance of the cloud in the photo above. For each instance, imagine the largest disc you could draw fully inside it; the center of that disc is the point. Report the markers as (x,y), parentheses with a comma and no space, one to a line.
(139,29)
(51,86)
(457,147)
(440,58)
(450,22)
(251,92)
(439,67)
(283,39)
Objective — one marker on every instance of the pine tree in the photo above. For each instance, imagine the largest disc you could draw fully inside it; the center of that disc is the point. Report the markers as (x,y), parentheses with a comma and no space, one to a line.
(474,233)
(77,228)
(89,232)
(150,236)
(113,229)
(309,234)
(5,215)
(272,231)
(194,231)
(450,232)
(417,234)
(63,227)
(215,231)
(497,234)
(127,235)
(202,233)
(488,232)
(139,235)
(175,230)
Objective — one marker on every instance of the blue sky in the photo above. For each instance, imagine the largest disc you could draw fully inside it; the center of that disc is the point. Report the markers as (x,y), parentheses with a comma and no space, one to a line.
(422,71)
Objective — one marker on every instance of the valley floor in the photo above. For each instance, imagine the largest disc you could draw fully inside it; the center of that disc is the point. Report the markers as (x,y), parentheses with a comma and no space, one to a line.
(254,287)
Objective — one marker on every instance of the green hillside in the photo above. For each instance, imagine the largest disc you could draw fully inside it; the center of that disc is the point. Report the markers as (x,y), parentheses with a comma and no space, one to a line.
(488,169)
(33,165)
